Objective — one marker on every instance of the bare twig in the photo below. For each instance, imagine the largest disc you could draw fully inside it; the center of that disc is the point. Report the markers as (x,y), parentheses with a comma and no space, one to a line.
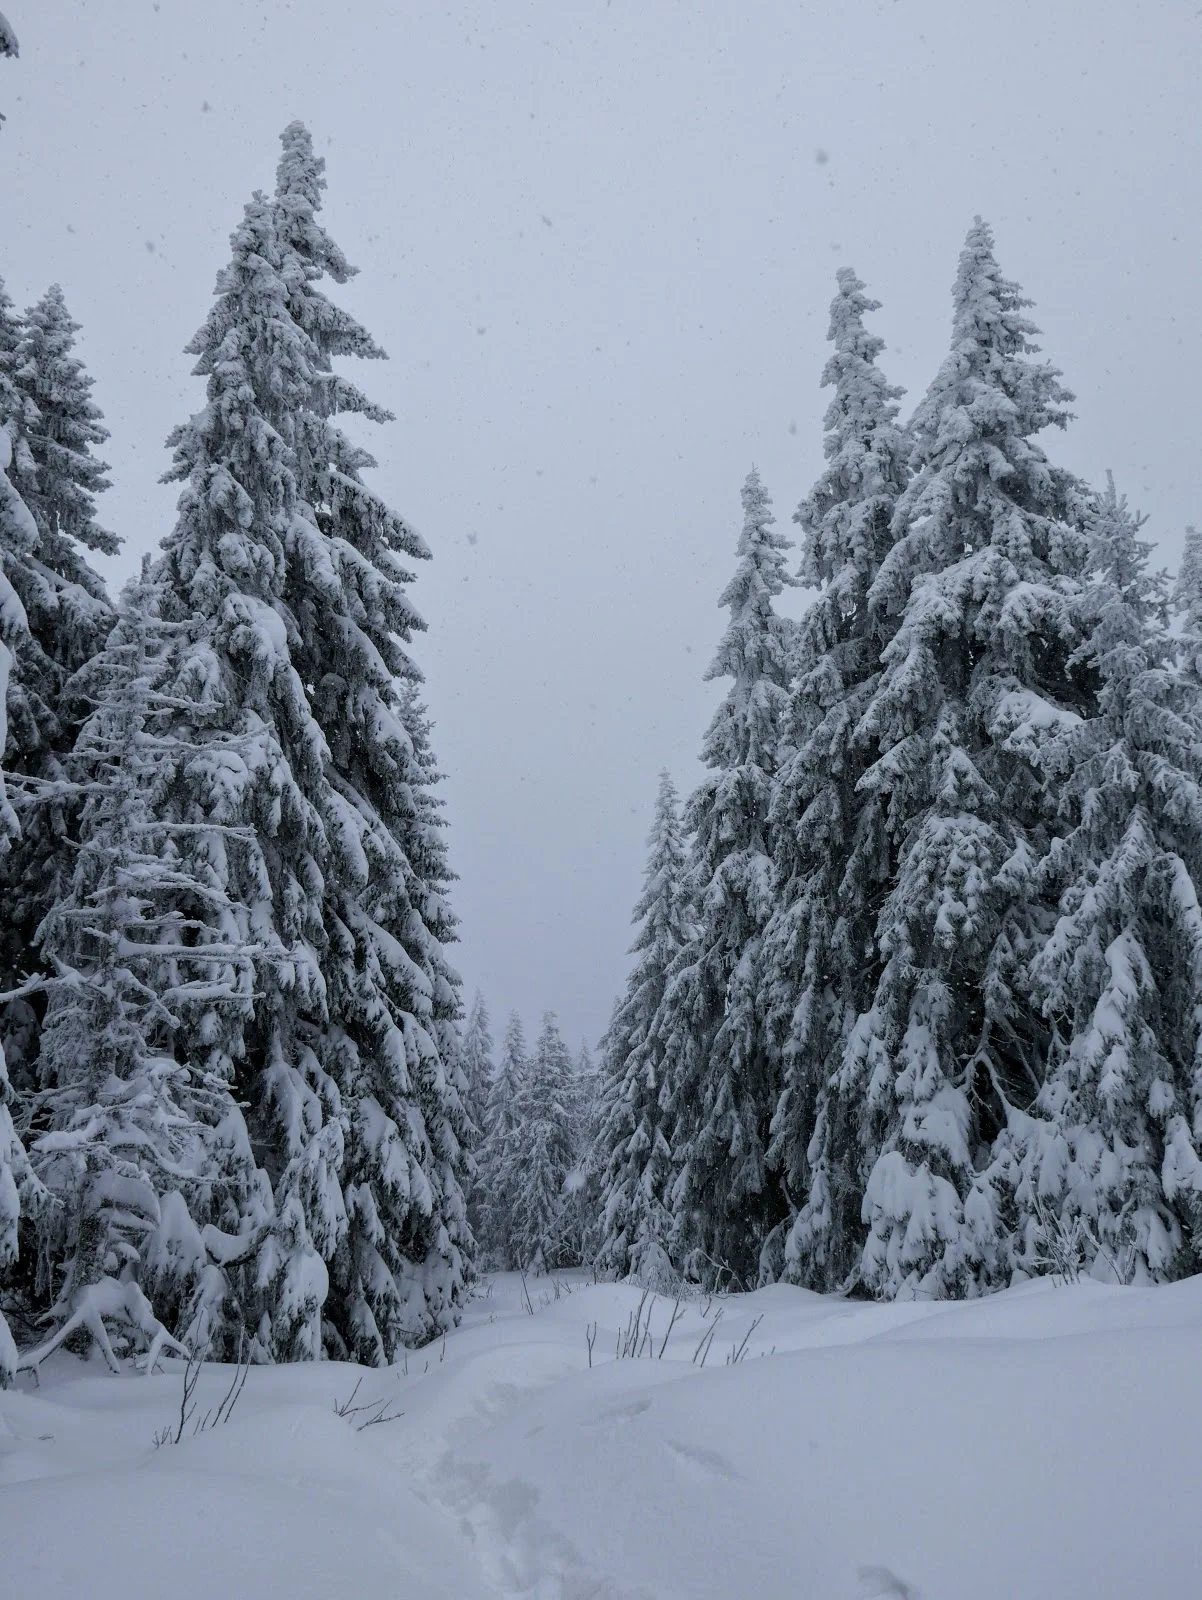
(707,1338)
(186,1404)
(347,1406)
(384,1415)
(677,1313)
(590,1335)
(378,1409)
(737,1354)
(722,1267)
(234,1392)
(635,1332)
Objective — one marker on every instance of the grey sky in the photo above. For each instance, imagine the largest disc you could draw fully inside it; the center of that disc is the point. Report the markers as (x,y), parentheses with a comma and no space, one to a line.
(599,242)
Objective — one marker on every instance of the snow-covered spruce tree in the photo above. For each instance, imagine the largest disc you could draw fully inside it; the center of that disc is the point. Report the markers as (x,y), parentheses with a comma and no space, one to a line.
(633,1157)
(476,1056)
(497,1158)
(545,1151)
(17,531)
(393,1044)
(252,758)
(155,1211)
(1110,1152)
(977,680)
(722,1067)
(67,428)
(69,617)
(583,1192)
(832,855)
(476,1062)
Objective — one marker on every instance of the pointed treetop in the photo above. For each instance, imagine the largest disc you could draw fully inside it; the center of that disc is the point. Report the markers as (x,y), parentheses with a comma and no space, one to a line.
(513,1041)
(982,480)
(1124,607)
(986,388)
(982,299)
(667,803)
(477,1036)
(862,397)
(299,186)
(660,910)
(760,575)
(1116,552)
(299,171)
(864,447)
(68,425)
(988,327)
(220,546)
(756,649)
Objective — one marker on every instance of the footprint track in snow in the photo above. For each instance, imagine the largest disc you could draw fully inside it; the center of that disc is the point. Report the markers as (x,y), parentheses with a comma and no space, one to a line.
(518,1551)
(700,1462)
(622,1413)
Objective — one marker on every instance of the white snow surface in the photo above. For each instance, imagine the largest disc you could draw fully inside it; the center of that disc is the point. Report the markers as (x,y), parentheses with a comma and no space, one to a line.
(1039,1443)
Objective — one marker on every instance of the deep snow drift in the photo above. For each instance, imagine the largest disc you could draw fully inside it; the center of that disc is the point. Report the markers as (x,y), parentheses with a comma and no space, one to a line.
(1042,1443)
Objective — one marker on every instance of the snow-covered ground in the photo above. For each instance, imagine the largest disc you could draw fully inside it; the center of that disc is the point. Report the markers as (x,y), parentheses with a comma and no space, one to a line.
(1042,1443)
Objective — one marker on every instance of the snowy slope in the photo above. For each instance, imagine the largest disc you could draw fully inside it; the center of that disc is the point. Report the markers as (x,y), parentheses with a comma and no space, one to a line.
(1042,1443)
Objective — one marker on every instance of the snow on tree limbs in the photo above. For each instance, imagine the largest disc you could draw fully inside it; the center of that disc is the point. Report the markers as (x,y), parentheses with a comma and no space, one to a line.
(262,859)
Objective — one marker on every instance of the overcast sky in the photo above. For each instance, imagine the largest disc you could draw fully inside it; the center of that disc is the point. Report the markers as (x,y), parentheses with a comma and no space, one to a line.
(599,242)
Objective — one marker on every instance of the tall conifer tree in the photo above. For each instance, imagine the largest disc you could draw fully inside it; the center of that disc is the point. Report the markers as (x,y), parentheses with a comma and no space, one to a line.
(832,855)
(1110,1153)
(634,1158)
(498,1160)
(722,1066)
(477,1059)
(69,617)
(253,758)
(978,678)
(393,1050)
(544,1151)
